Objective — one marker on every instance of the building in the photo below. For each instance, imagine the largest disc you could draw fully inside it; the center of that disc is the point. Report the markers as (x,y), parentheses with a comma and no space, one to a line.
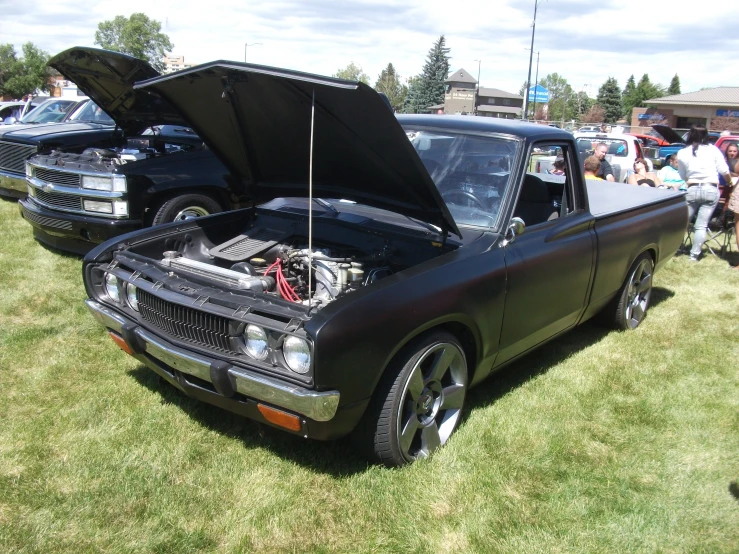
(461,96)
(175,63)
(680,111)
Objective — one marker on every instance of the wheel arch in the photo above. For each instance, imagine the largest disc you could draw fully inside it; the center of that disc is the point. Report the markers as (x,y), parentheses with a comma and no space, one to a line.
(159,197)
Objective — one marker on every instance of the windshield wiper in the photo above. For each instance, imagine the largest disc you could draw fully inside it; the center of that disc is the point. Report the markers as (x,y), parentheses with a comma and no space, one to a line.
(428,226)
(327,205)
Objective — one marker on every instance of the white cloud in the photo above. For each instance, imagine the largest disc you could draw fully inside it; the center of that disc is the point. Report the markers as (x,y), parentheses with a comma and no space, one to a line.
(583,41)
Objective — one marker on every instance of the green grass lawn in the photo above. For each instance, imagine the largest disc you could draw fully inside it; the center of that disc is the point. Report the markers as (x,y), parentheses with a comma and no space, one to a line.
(599,442)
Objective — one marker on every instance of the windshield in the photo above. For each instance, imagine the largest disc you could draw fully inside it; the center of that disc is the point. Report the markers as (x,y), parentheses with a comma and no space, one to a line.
(471,172)
(616,147)
(91,112)
(50,111)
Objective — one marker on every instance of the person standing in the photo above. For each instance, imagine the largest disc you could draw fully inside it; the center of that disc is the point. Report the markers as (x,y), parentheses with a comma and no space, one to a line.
(700,165)
(606,171)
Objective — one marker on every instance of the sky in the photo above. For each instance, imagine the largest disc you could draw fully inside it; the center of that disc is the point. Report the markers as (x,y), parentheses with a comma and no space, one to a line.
(585,41)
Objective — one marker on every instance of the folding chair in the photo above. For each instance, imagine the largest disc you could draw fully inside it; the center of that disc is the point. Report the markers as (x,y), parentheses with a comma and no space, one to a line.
(720,232)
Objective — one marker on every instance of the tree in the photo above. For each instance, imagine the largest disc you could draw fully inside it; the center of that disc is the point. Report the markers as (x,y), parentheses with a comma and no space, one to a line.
(674,87)
(584,103)
(562,99)
(352,72)
(389,83)
(429,89)
(137,36)
(596,114)
(647,90)
(609,98)
(628,97)
(20,77)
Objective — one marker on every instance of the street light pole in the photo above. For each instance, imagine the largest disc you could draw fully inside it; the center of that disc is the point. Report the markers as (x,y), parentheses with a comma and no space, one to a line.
(531,59)
(477,92)
(251,44)
(536,85)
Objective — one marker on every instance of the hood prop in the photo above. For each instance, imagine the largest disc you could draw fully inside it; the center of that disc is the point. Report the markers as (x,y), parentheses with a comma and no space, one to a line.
(310,196)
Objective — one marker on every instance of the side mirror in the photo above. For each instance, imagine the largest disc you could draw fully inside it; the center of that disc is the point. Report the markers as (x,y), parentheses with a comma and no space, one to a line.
(10,120)
(516,227)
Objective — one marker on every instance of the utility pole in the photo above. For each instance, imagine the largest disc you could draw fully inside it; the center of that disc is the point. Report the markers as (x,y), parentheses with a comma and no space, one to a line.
(536,86)
(531,59)
(477,91)
(252,44)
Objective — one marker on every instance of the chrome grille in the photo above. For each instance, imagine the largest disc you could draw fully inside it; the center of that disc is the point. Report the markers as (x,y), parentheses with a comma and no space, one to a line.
(47,221)
(59,200)
(13,156)
(185,323)
(57,177)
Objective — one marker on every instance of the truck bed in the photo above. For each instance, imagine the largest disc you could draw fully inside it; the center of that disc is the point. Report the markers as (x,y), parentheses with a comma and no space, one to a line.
(607,198)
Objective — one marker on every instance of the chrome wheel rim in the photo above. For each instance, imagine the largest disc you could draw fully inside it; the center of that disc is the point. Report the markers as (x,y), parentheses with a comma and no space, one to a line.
(640,289)
(191,212)
(432,401)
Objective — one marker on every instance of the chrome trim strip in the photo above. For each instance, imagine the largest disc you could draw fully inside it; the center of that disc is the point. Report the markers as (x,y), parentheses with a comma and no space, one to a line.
(319,406)
(13,181)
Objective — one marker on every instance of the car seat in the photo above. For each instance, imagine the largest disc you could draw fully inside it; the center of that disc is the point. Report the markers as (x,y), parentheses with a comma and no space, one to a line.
(534,203)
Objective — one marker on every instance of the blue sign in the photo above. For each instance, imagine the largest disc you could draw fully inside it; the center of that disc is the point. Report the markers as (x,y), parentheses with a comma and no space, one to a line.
(657,116)
(538,94)
(727,113)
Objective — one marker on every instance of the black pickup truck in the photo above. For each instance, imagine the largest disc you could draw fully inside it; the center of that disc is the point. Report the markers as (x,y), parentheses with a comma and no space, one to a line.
(143,166)
(392,264)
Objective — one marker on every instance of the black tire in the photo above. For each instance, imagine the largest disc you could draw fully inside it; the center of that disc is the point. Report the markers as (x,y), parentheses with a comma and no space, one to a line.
(633,299)
(418,403)
(184,207)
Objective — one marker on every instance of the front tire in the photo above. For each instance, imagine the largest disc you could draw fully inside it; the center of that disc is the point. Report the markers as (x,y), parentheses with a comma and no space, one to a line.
(633,300)
(184,207)
(418,404)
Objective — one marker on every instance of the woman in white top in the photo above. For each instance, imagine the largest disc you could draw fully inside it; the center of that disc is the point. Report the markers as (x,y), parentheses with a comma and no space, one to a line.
(699,165)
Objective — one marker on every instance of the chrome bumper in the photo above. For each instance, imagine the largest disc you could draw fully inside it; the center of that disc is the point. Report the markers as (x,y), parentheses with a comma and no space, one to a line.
(13,181)
(319,406)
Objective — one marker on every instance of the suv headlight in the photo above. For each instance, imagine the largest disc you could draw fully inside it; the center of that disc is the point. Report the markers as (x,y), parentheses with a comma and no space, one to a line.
(132,296)
(114,183)
(297,354)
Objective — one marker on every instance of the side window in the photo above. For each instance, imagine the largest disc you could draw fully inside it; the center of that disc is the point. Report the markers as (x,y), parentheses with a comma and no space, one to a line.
(546,190)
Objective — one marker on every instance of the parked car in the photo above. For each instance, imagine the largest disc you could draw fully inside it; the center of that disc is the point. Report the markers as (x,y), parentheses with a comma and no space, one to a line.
(676,142)
(51,110)
(589,129)
(14,109)
(392,263)
(724,141)
(622,151)
(153,170)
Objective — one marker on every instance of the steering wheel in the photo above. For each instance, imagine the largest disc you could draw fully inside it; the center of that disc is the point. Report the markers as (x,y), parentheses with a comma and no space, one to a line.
(463,193)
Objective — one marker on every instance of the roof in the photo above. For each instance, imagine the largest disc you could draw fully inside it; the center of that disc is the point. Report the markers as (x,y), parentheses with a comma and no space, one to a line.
(514,127)
(461,76)
(497,93)
(499,109)
(719,96)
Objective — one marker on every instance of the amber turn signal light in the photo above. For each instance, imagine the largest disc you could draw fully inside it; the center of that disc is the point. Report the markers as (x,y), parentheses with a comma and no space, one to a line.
(278,417)
(120,342)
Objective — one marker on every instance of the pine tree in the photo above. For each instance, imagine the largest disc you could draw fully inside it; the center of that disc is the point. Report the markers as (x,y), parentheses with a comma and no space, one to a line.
(628,97)
(429,89)
(389,83)
(674,85)
(609,98)
(646,90)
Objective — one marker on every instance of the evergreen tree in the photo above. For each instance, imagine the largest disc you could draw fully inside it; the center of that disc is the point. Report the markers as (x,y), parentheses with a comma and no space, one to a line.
(674,85)
(609,98)
(429,89)
(646,90)
(628,97)
(389,83)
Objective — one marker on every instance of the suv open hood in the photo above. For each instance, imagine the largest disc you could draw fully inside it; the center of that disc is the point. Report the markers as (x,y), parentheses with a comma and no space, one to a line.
(669,134)
(108,77)
(257,120)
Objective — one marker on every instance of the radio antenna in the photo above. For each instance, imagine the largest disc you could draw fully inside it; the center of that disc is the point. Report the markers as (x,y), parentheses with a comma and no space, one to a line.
(310,197)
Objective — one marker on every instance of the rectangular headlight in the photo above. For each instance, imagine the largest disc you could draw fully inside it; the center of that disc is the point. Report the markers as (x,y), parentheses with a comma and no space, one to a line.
(120,208)
(96,206)
(119,183)
(97,183)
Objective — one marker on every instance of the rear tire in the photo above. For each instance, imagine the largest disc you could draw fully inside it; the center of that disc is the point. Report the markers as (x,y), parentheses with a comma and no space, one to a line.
(633,299)
(418,403)
(184,207)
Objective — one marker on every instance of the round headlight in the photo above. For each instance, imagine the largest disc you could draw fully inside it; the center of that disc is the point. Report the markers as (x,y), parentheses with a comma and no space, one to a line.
(297,354)
(112,288)
(132,296)
(256,342)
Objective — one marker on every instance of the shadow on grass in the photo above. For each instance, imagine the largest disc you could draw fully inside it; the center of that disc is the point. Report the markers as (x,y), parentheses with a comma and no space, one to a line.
(338,458)
(734,489)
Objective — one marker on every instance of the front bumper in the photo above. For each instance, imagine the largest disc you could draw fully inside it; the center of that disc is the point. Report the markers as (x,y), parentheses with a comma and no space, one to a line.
(73,232)
(233,388)
(13,184)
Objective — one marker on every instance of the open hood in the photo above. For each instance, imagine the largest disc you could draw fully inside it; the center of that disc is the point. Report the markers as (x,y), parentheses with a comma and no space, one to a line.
(257,120)
(108,77)
(669,134)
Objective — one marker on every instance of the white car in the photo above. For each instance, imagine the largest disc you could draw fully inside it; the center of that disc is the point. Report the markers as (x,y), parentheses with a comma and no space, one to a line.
(622,151)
